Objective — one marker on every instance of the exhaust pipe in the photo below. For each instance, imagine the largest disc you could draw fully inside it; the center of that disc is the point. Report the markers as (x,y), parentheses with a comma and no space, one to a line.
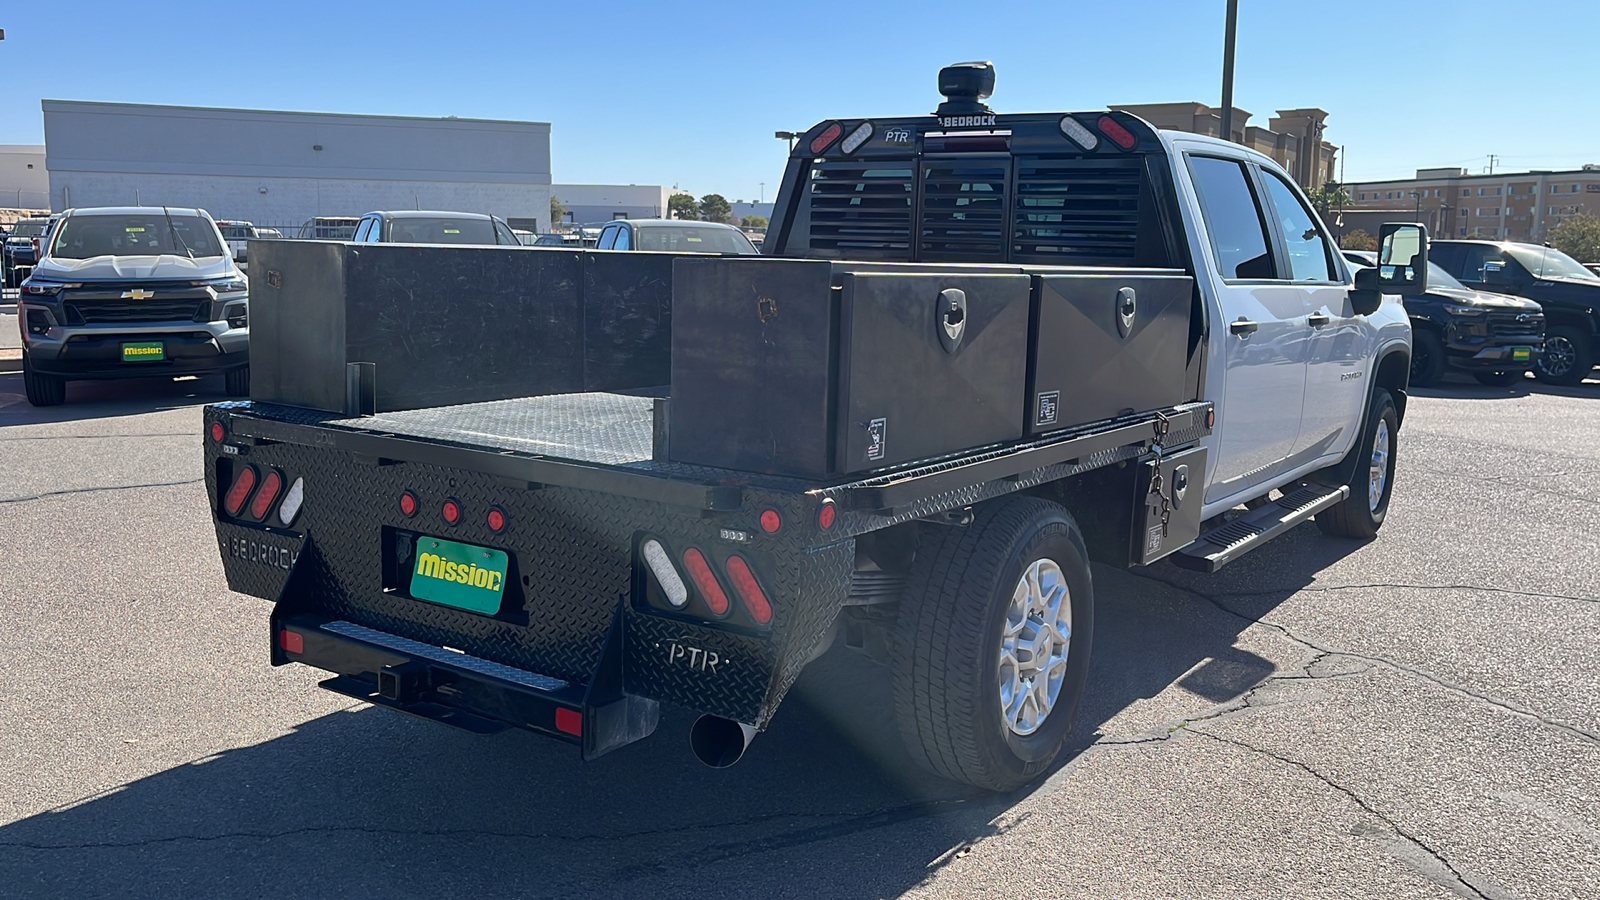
(719,742)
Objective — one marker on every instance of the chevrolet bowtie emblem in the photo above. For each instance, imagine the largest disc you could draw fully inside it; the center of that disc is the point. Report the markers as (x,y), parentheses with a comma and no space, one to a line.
(137,294)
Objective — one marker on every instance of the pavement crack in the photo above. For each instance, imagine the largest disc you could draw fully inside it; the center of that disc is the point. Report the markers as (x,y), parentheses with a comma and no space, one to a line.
(1581,734)
(1435,854)
(1398,586)
(91,490)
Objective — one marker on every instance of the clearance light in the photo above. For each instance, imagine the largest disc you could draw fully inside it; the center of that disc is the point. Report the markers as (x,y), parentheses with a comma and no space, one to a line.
(824,140)
(771,521)
(569,721)
(706,581)
(233,503)
(218,432)
(291,642)
(655,556)
(1120,136)
(749,591)
(451,512)
(858,137)
(827,515)
(1080,135)
(408,504)
(496,519)
(292,502)
(270,486)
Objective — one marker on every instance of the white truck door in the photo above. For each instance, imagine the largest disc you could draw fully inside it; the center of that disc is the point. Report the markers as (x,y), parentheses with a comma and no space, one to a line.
(1340,346)
(1263,329)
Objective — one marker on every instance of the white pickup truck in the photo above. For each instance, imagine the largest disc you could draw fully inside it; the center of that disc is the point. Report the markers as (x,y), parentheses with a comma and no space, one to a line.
(980,350)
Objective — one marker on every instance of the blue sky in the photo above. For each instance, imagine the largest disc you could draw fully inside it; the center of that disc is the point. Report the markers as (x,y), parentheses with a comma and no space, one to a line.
(689,92)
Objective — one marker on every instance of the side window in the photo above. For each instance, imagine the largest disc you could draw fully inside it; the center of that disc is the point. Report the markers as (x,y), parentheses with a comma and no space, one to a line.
(1478,257)
(361,231)
(1308,249)
(503,235)
(1233,218)
(608,235)
(624,239)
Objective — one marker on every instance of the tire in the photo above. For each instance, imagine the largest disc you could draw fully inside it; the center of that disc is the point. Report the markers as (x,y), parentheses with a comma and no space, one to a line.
(1500,379)
(42,390)
(1362,513)
(949,636)
(237,381)
(1427,359)
(1568,356)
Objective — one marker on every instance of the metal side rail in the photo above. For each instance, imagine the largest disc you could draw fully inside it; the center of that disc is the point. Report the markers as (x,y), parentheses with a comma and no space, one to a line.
(467,692)
(1233,539)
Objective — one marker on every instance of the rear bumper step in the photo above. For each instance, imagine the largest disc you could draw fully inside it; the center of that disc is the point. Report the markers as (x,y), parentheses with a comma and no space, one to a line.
(465,691)
(1227,542)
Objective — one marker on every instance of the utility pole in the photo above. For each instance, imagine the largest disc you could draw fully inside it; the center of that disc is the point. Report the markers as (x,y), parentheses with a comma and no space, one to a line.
(1227,70)
(1492,160)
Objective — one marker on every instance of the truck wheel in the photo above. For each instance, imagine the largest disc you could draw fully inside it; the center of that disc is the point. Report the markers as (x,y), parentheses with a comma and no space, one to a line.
(238,381)
(1362,513)
(1567,357)
(1427,359)
(1498,379)
(42,390)
(992,644)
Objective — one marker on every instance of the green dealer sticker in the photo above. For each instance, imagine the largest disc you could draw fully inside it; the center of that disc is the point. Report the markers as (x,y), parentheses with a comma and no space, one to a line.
(459,575)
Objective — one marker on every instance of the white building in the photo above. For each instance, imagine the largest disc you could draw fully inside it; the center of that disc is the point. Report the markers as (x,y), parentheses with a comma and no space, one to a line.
(281,168)
(587,203)
(24,183)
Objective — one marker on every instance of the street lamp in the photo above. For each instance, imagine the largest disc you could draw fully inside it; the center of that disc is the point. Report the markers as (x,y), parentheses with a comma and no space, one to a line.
(790,136)
(1416,208)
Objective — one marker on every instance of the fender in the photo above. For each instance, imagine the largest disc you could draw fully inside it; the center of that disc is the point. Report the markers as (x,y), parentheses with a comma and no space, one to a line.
(1394,358)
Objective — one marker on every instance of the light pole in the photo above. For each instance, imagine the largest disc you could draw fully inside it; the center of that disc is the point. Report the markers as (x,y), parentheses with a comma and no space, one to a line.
(1416,205)
(790,136)
(1227,70)
(761,196)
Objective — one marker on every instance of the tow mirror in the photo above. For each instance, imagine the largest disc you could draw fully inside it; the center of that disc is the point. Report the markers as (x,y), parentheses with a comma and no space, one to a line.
(1403,258)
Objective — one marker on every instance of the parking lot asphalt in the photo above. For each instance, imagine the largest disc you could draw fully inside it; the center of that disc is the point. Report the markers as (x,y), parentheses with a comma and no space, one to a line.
(1418,716)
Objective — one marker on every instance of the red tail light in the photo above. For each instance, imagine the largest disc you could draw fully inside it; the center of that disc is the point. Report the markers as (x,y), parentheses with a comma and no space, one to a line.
(291,642)
(827,515)
(233,503)
(1113,129)
(706,580)
(408,504)
(497,520)
(451,511)
(270,486)
(749,590)
(771,521)
(824,140)
(218,432)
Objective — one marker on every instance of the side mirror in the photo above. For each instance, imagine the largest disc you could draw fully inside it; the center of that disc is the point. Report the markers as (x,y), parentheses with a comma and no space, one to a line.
(1402,258)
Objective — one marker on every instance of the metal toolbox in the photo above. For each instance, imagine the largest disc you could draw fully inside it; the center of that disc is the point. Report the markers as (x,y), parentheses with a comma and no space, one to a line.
(812,369)
(1107,344)
(375,327)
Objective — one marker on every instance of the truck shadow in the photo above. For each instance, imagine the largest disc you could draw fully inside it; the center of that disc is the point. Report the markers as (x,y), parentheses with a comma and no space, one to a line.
(88,400)
(370,803)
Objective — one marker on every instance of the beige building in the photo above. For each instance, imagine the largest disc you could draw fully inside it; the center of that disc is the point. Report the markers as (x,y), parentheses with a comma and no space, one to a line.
(1293,137)
(1516,206)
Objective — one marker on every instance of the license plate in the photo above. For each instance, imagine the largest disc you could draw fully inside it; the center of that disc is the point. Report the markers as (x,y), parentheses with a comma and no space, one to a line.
(459,575)
(151,352)
(1521,354)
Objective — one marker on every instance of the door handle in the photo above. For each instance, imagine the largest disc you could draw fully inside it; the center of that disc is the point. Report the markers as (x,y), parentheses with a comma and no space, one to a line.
(1243,326)
(1318,320)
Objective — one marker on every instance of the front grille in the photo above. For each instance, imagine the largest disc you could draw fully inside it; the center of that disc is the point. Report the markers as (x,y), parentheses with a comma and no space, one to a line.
(141,311)
(1506,325)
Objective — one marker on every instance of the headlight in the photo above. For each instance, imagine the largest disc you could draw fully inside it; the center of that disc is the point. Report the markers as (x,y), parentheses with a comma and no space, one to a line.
(1456,310)
(45,288)
(231,285)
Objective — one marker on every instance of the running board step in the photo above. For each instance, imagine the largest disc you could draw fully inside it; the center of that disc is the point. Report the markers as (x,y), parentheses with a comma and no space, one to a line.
(1231,540)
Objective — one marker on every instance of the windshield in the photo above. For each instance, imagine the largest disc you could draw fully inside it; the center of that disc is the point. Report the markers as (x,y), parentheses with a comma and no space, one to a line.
(28,229)
(442,230)
(1548,262)
(329,229)
(1438,277)
(693,240)
(142,234)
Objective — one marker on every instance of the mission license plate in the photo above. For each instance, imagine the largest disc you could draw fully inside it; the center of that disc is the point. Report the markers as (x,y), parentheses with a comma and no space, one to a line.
(1521,354)
(154,351)
(459,575)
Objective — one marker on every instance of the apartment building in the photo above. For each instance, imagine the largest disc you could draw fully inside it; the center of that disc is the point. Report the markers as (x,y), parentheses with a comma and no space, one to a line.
(1293,137)
(1516,206)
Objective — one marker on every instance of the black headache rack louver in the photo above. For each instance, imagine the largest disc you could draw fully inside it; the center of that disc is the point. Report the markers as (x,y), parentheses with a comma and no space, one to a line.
(969,185)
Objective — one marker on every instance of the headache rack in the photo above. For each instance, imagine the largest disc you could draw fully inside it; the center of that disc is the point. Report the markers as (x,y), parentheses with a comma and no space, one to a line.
(1052,189)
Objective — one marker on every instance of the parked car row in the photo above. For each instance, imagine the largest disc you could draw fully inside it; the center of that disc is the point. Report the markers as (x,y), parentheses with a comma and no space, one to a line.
(21,248)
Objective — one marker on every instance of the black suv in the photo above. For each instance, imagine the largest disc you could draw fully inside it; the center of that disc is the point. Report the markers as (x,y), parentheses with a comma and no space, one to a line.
(1494,338)
(1568,292)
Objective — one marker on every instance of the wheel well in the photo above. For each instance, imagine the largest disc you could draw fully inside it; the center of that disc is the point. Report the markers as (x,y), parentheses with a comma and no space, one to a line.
(1394,375)
(1571,320)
